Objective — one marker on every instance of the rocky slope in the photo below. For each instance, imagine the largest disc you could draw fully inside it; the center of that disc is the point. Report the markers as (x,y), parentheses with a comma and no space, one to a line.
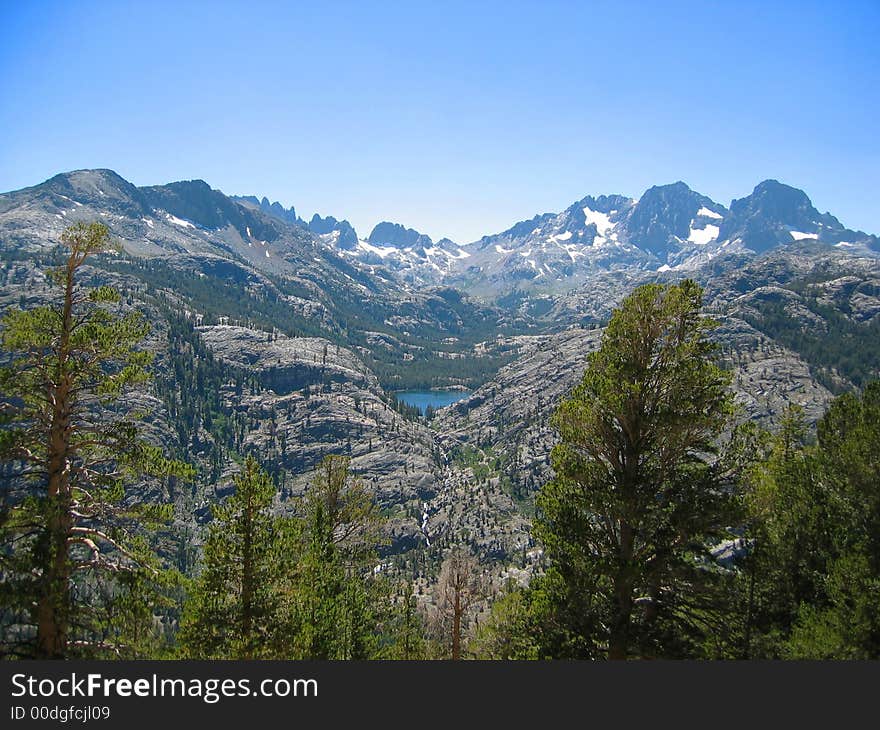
(506,421)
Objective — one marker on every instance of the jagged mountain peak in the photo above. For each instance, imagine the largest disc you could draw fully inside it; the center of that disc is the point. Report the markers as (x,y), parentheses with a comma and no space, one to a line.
(777,199)
(666,218)
(518,230)
(342,233)
(273,208)
(607,204)
(670,226)
(777,214)
(398,236)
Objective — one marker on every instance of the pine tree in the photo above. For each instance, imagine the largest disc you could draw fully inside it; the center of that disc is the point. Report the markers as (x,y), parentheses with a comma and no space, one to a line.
(351,519)
(636,495)
(235,609)
(406,628)
(459,586)
(72,533)
(813,576)
(334,602)
(509,632)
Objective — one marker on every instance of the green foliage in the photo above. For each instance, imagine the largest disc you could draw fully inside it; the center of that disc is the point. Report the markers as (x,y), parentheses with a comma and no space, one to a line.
(226,291)
(234,611)
(510,631)
(223,293)
(813,578)
(335,604)
(73,535)
(846,346)
(406,629)
(297,587)
(636,498)
(191,382)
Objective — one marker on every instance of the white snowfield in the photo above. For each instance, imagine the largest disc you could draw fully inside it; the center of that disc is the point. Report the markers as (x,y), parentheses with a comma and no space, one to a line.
(709,213)
(380,251)
(602,221)
(800,235)
(179,221)
(702,236)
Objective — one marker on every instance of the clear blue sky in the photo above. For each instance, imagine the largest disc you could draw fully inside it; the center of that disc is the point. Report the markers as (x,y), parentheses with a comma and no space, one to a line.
(457,119)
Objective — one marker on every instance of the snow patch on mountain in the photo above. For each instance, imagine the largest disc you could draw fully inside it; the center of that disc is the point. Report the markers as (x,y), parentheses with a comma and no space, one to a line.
(179,221)
(702,236)
(380,251)
(601,220)
(801,235)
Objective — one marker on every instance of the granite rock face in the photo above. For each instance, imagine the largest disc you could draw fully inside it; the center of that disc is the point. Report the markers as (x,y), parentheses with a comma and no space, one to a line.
(315,398)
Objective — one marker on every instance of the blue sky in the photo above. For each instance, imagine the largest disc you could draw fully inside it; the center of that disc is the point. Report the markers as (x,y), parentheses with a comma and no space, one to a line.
(457,119)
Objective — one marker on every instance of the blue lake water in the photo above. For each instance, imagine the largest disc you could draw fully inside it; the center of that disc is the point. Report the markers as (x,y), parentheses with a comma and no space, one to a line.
(421,399)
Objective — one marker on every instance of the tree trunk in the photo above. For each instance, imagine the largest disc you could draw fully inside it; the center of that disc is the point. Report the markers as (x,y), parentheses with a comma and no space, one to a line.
(652,613)
(747,639)
(54,601)
(618,642)
(456,626)
(53,608)
(247,585)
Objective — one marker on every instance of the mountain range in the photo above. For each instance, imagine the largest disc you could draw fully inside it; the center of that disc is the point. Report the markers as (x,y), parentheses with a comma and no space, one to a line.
(288,338)
(669,228)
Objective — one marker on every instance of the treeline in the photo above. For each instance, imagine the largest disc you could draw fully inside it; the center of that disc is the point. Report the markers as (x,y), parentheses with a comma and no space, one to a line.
(224,294)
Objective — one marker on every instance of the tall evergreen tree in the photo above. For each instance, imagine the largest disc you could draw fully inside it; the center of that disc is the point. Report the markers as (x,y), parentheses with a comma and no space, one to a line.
(349,516)
(636,496)
(235,610)
(72,533)
(335,601)
(512,630)
(405,628)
